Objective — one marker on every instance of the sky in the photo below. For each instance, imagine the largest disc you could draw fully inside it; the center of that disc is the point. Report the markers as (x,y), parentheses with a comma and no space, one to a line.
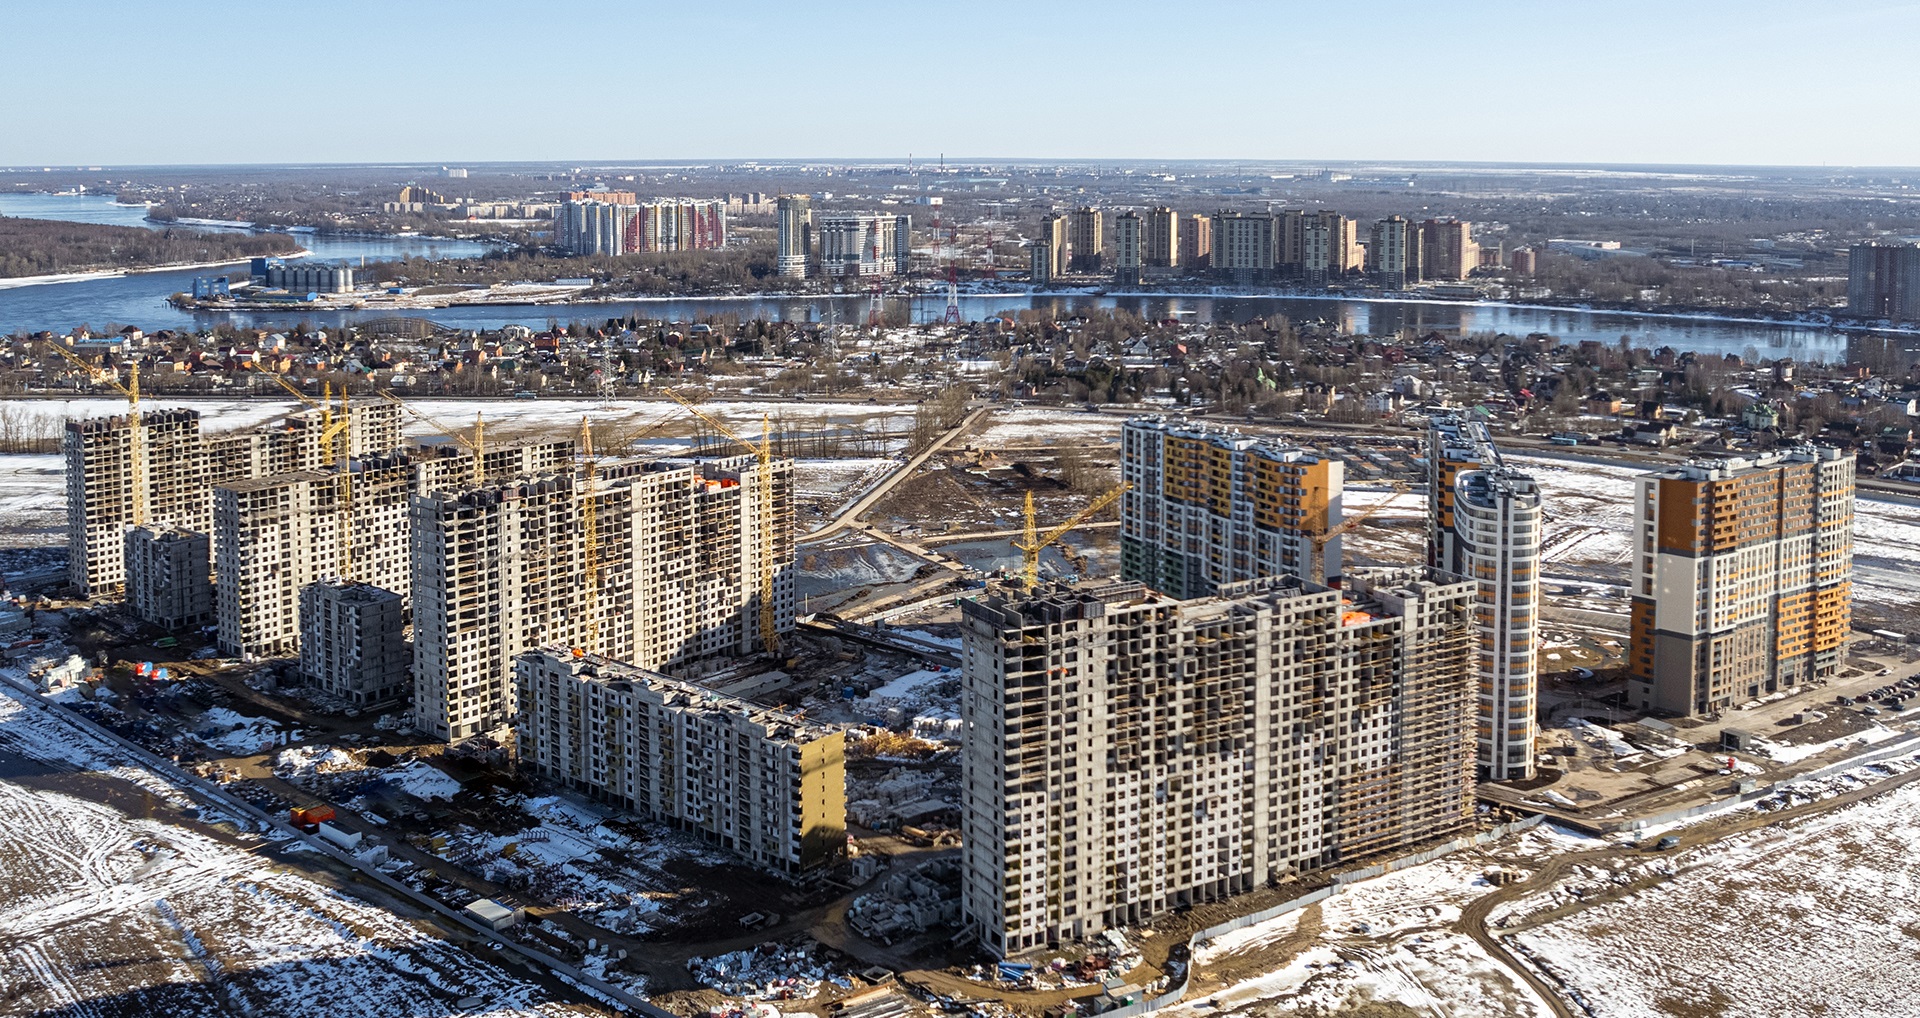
(1739,82)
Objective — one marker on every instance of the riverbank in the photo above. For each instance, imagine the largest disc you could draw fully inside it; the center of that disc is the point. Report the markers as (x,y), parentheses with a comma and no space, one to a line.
(81,277)
(1015,291)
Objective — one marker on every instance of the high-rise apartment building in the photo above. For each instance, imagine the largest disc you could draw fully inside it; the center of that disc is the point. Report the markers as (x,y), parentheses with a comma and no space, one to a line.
(1087,239)
(793,235)
(501,569)
(101,477)
(1208,506)
(1127,248)
(1449,252)
(1049,250)
(1328,246)
(1243,245)
(1196,243)
(599,227)
(1744,579)
(761,782)
(1126,754)
(1040,261)
(1290,241)
(1160,248)
(1485,524)
(179,468)
(1883,281)
(275,535)
(865,245)
(1387,251)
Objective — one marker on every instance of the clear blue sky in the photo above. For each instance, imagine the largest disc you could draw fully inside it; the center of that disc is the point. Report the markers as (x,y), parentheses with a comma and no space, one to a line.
(1618,81)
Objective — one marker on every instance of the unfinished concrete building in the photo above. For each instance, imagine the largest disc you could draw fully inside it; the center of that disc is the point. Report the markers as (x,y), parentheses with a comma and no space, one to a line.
(1125,753)
(502,569)
(757,781)
(167,577)
(1208,506)
(353,642)
(181,467)
(440,464)
(101,474)
(275,535)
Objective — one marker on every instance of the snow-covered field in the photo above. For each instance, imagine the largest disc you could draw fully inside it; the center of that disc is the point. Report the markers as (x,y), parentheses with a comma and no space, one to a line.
(1386,941)
(103,912)
(1817,919)
(215,414)
(1048,427)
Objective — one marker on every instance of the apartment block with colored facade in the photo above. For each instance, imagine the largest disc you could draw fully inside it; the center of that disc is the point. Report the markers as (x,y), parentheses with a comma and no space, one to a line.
(1208,506)
(1743,585)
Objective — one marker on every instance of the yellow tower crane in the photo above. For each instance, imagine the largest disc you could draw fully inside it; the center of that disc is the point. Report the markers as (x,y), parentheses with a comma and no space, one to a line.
(477,445)
(1032,541)
(1317,570)
(590,513)
(769,621)
(336,431)
(137,435)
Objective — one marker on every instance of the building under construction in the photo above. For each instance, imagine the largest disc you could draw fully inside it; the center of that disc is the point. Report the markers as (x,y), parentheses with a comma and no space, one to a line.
(758,781)
(275,535)
(658,564)
(1126,753)
(175,471)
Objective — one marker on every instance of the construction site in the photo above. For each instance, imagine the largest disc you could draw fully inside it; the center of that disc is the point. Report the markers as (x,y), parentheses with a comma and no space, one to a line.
(684,709)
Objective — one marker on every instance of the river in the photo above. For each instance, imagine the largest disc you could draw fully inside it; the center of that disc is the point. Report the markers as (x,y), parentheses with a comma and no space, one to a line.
(140,299)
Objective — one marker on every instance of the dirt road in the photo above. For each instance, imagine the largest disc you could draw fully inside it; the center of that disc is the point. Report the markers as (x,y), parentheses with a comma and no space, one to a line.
(1473,918)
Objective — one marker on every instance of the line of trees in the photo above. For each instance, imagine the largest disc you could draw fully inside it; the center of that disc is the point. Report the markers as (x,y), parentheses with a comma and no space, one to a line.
(35,247)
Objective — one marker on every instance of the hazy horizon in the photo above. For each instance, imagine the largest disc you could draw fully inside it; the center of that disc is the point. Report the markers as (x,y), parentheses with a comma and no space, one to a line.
(1638,83)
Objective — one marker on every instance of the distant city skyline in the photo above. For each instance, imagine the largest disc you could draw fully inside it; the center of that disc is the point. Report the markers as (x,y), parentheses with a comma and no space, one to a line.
(1637,83)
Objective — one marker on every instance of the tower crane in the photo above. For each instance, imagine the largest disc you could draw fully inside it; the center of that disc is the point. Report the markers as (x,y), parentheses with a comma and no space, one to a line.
(137,436)
(769,620)
(478,446)
(336,432)
(1032,541)
(1317,569)
(590,512)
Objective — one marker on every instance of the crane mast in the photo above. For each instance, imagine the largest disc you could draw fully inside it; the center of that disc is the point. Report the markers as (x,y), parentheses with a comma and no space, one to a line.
(763,499)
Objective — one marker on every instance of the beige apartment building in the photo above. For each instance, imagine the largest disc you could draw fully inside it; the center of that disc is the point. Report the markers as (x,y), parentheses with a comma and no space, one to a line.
(1126,754)
(761,782)
(1086,236)
(1160,246)
(502,569)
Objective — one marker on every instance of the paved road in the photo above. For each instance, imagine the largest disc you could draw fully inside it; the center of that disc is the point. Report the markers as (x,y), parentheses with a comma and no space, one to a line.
(879,491)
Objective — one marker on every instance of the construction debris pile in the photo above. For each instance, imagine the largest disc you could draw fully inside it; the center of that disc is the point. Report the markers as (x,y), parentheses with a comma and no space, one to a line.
(923,702)
(908,903)
(771,971)
(1111,957)
(902,796)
